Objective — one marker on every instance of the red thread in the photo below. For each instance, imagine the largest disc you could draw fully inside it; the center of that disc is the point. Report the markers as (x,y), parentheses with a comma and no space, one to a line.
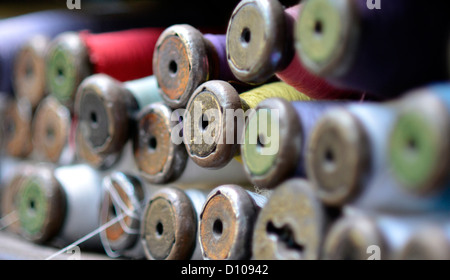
(304,81)
(123,55)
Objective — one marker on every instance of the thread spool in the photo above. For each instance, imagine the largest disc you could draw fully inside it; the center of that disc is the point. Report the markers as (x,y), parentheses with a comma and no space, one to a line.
(59,204)
(169,227)
(73,56)
(347,161)
(17,129)
(227,221)
(419,140)
(52,133)
(107,108)
(292,224)
(216,107)
(29,70)
(296,121)
(341,41)
(123,193)
(260,44)
(184,58)
(161,156)
(13,172)
(362,235)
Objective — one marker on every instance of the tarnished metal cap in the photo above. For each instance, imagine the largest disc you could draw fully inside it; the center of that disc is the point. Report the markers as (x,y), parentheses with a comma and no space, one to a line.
(85,153)
(351,237)
(29,70)
(211,132)
(169,226)
(66,66)
(159,158)
(41,203)
(256,38)
(51,129)
(226,223)
(180,63)
(418,141)
(338,157)
(326,33)
(265,169)
(122,194)
(17,129)
(103,107)
(428,243)
(291,225)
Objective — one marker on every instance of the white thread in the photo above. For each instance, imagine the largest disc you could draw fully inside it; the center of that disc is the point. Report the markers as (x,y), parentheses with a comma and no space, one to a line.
(88,236)
(6,222)
(118,204)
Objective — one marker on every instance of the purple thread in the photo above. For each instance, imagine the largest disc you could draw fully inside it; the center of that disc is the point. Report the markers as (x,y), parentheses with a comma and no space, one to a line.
(401,46)
(219,43)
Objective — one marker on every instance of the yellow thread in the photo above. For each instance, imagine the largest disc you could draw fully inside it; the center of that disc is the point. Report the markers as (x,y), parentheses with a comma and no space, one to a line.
(253,97)
(277,89)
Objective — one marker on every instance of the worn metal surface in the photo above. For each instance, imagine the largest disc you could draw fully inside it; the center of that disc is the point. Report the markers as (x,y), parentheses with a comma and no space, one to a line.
(211,135)
(291,225)
(256,38)
(52,126)
(337,158)
(169,228)
(180,63)
(29,70)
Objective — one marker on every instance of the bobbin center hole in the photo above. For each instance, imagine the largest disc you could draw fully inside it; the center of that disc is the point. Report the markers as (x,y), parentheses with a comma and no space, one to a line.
(50,133)
(329,159)
(217,228)
(411,145)
(29,70)
(94,119)
(284,236)
(32,206)
(204,122)
(159,229)
(246,36)
(318,27)
(173,67)
(152,143)
(60,73)
(261,141)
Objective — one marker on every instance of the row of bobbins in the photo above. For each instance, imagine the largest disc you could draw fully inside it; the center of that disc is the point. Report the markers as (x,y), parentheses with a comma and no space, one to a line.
(383,167)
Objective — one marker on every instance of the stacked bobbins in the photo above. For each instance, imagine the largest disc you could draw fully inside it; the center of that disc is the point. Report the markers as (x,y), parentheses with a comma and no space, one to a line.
(293,130)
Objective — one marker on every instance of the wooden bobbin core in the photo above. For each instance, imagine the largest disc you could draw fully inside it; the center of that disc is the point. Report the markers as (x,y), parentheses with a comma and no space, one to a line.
(103,107)
(29,70)
(169,229)
(256,38)
(338,157)
(418,142)
(130,192)
(350,237)
(159,159)
(226,223)
(68,63)
(180,63)
(41,205)
(17,129)
(211,138)
(326,33)
(291,225)
(265,169)
(51,129)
